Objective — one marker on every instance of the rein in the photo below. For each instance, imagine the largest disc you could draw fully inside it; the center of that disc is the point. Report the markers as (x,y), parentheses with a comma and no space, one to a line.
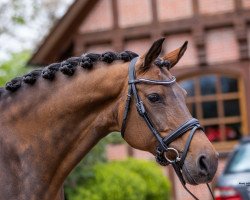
(163,148)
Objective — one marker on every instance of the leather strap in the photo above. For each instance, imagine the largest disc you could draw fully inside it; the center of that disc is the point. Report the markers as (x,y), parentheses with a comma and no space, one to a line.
(181,130)
(129,95)
(187,145)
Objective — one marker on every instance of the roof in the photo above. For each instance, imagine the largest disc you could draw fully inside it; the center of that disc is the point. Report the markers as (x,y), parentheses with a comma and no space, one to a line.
(62,33)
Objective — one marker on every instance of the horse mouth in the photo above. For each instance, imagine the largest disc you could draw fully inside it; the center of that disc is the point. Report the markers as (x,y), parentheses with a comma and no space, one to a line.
(192,179)
(188,177)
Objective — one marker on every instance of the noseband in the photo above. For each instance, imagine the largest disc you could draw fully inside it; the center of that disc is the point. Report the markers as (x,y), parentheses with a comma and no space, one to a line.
(163,148)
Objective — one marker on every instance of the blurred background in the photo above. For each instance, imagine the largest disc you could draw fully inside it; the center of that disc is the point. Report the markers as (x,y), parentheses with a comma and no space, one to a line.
(215,70)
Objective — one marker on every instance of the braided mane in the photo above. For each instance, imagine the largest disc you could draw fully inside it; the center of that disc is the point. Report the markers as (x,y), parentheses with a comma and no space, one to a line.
(68,67)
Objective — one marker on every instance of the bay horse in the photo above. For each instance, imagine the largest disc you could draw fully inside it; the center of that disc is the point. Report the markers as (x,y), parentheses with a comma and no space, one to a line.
(51,117)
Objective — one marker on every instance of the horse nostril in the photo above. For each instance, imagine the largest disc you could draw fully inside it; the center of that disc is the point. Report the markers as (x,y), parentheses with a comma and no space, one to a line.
(203,165)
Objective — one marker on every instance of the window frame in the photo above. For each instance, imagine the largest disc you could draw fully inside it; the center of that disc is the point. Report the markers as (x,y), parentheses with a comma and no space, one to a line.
(224,145)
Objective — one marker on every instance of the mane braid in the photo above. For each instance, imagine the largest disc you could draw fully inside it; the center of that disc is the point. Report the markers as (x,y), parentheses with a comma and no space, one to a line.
(31,77)
(49,72)
(67,67)
(14,84)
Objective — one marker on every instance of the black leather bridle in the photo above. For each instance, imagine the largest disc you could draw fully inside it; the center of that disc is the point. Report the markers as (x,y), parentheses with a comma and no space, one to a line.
(163,149)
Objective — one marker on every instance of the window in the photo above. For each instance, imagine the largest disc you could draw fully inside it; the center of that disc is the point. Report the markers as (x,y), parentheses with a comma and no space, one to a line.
(216,101)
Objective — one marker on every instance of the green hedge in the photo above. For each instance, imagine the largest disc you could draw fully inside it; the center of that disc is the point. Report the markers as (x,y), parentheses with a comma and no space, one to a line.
(124,180)
(158,186)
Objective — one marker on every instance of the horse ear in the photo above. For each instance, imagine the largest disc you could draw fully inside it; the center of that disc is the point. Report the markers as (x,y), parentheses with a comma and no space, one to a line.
(174,56)
(152,54)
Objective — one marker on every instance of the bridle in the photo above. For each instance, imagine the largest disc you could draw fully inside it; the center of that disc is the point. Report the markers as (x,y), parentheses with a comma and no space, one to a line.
(163,148)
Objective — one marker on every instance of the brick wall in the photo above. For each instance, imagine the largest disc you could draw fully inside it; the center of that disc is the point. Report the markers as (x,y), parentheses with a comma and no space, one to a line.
(120,152)
(246,3)
(139,46)
(117,152)
(99,48)
(133,12)
(221,45)
(174,9)
(143,155)
(175,41)
(215,6)
(100,18)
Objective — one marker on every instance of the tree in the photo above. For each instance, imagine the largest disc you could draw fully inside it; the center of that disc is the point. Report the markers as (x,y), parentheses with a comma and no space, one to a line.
(14,67)
(24,23)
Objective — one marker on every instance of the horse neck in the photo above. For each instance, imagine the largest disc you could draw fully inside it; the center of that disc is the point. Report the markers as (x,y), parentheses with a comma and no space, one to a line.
(51,126)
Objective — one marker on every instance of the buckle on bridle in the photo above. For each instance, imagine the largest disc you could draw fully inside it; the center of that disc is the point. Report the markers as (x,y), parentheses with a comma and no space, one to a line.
(177,155)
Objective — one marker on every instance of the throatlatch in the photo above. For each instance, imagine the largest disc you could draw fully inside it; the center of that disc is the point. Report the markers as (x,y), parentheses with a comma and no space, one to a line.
(163,148)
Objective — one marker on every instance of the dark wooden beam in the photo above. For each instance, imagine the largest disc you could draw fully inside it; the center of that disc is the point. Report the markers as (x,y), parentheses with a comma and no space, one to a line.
(195,7)
(171,27)
(241,34)
(227,68)
(238,5)
(200,43)
(198,35)
(117,40)
(155,30)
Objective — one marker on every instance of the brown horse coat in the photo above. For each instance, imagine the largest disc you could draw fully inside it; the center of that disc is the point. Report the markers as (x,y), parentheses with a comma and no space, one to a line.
(50,119)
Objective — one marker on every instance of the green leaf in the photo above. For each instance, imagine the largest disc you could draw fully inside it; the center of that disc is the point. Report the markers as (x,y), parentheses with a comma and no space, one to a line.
(16,66)
(18,19)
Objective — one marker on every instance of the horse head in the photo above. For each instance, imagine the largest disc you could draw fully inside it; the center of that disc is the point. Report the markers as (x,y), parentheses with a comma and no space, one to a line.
(165,108)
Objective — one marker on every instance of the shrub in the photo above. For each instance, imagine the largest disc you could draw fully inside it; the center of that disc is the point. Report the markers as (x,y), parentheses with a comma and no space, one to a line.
(158,186)
(113,184)
(120,180)
(84,171)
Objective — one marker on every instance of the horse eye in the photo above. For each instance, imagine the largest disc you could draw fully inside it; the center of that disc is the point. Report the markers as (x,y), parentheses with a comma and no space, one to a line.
(154,97)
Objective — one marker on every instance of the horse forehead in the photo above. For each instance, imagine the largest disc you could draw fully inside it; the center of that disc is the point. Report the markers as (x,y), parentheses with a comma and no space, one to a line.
(158,73)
